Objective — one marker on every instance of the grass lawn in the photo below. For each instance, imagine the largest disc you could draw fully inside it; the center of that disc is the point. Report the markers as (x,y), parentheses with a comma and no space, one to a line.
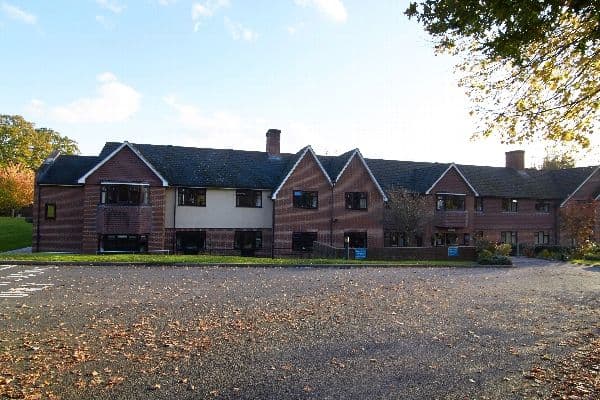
(587,262)
(153,259)
(14,233)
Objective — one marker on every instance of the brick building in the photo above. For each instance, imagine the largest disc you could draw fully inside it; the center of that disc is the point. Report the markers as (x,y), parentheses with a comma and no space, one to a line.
(141,197)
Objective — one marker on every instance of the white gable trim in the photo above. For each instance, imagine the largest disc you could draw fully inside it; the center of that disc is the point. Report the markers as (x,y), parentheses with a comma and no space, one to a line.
(361,158)
(444,174)
(308,149)
(580,186)
(117,150)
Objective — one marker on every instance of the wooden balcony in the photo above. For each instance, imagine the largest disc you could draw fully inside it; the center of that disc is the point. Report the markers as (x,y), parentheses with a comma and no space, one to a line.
(123,219)
(451,219)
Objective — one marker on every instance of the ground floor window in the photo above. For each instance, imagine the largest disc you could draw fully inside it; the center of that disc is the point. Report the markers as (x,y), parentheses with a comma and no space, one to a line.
(357,239)
(394,239)
(466,239)
(303,241)
(542,237)
(445,239)
(190,242)
(123,243)
(247,240)
(509,237)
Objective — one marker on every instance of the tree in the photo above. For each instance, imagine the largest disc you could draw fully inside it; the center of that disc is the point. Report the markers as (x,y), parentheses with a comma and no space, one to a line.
(21,143)
(407,213)
(16,188)
(578,221)
(530,67)
(558,160)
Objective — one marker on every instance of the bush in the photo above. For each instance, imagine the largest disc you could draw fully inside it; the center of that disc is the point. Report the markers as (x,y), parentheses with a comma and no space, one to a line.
(503,249)
(592,256)
(494,260)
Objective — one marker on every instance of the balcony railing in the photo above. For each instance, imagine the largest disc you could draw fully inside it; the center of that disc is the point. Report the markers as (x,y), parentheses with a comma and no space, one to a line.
(451,219)
(123,219)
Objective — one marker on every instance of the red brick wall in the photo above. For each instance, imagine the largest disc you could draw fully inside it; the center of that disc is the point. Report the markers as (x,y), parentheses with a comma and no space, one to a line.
(125,166)
(590,189)
(356,178)
(309,177)
(65,232)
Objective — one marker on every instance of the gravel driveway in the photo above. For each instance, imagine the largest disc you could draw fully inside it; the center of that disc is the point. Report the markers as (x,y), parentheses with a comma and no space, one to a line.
(302,333)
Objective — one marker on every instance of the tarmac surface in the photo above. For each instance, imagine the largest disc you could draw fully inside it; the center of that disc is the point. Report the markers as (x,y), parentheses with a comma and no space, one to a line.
(305,333)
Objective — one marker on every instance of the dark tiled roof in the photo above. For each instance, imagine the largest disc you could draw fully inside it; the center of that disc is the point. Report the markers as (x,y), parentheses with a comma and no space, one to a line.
(66,169)
(188,166)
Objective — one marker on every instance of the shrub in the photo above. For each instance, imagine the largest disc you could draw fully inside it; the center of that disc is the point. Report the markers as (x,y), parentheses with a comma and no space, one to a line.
(494,260)
(503,249)
(592,256)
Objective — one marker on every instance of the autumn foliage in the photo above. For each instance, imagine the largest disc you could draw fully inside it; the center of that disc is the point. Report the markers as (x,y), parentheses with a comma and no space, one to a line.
(16,187)
(578,220)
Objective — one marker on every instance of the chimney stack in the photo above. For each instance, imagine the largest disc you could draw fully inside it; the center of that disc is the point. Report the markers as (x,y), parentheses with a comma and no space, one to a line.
(515,159)
(273,142)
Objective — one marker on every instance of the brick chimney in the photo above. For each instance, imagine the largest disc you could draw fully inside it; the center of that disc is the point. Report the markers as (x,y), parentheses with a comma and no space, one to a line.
(273,141)
(515,159)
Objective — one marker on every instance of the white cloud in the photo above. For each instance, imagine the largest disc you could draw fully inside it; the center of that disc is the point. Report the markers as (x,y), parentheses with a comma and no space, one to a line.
(18,14)
(193,118)
(101,19)
(240,32)
(332,9)
(205,10)
(111,5)
(114,102)
(166,2)
(293,29)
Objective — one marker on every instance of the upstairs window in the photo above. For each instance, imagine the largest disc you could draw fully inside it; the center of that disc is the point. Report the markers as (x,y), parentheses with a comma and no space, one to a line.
(479,204)
(248,198)
(191,197)
(542,206)
(450,202)
(356,200)
(125,194)
(304,199)
(50,211)
(510,205)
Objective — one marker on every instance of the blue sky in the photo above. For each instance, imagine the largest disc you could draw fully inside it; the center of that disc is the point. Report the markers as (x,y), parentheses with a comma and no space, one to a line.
(336,74)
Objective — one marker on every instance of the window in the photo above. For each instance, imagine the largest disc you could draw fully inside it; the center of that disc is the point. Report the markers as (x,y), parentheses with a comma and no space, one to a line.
(303,241)
(304,199)
(50,212)
(479,204)
(542,206)
(190,242)
(466,239)
(357,239)
(248,198)
(191,197)
(394,239)
(450,202)
(356,200)
(125,194)
(542,238)
(247,240)
(509,237)
(124,243)
(510,205)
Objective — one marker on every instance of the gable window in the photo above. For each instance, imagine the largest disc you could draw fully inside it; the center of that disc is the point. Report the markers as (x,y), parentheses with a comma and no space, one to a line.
(479,204)
(304,199)
(542,206)
(509,237)
(510,205)
(248,198)
(542,237)
(191,197)
(125,194)
(50,211)
(450,202)
(303,241)
(356,200)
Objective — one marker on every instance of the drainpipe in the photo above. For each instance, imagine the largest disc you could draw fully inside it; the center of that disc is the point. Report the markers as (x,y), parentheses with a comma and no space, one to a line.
(37,233)
(175,222)
(273,229)
(331,215)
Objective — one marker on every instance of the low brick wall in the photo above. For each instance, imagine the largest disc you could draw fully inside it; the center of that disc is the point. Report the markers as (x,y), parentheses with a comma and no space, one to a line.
(465,253)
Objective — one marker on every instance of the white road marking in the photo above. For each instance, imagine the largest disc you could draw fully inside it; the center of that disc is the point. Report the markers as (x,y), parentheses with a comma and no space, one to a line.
(24,289)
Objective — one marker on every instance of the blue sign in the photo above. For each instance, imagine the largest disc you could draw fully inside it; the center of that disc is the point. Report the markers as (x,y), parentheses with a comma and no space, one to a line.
(360,253)
(453,251)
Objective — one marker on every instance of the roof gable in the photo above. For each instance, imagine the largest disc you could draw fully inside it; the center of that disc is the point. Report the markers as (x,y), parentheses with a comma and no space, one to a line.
(356,153)
(304,152)
(452,167)
(114,153)
(589,177)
